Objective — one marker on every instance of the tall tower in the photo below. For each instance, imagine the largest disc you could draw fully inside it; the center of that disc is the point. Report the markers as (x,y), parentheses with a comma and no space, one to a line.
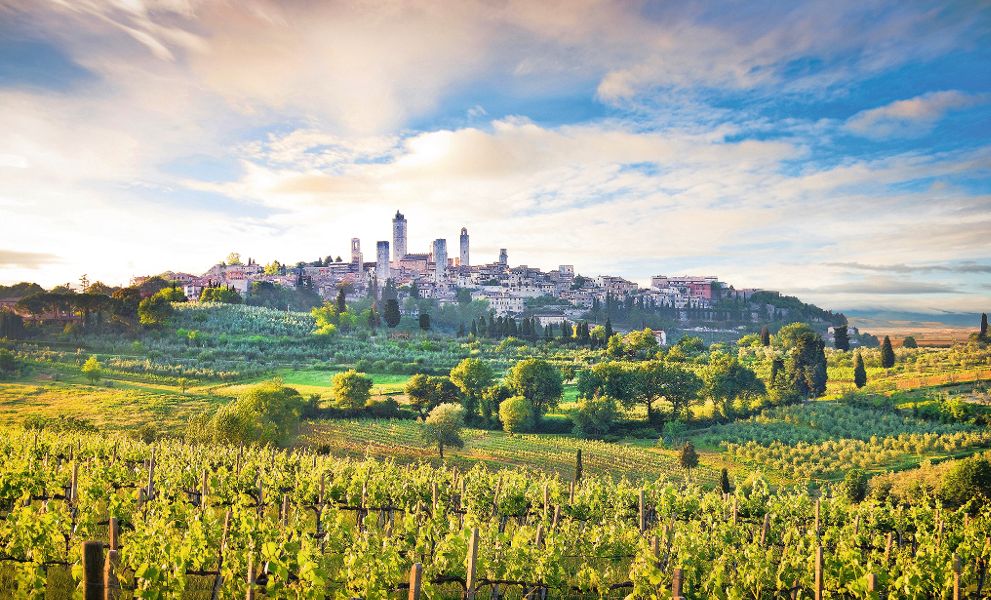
(440,260)
(356,257)
(398,238)
(464,246)
(382,262)
(503,257)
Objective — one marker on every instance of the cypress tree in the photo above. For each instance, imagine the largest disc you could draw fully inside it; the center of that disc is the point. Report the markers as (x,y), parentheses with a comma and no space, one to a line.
(341,304)
(887,353)
(765,336)
(984,326)
(609,331)
(474,328)
(724,481)
(425,321)
(859,372)
(391,314)
(461,330)
(841,338)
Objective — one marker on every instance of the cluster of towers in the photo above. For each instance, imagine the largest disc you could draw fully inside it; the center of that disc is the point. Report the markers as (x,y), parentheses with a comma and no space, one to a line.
(384,266)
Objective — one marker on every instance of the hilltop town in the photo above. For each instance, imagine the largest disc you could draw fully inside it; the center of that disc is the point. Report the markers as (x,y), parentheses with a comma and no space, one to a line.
(552,296)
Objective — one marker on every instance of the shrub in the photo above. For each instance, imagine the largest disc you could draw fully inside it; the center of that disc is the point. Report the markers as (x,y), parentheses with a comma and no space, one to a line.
(351,389)
(386,408)
(854,486)
(516,414)
(594,416)
(268,413)
(443,426)
(969,479)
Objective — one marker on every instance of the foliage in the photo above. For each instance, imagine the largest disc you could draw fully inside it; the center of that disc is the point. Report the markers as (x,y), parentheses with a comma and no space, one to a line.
(887,353)
(854,485)
(516,414)
(92,369)
(443,426)
(969,479)
(538,381)
(8,362)
(267,413)
(687,457)
(910,342)
(859,372)
(155,310)
(425,392)
(222,295)
(391,314)
(729,384)
(351,389)
(472,376)
(594,416)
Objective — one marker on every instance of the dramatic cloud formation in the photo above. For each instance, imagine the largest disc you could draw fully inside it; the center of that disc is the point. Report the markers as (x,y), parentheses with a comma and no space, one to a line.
(800,147)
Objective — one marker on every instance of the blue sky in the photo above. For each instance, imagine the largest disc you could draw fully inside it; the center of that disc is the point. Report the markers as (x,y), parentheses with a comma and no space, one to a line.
(838,151)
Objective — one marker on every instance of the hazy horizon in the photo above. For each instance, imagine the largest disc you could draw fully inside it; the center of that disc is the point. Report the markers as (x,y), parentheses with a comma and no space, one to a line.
(837,152)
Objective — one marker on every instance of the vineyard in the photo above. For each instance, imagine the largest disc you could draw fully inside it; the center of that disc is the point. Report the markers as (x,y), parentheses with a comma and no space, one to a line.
(182,521)
(548,453)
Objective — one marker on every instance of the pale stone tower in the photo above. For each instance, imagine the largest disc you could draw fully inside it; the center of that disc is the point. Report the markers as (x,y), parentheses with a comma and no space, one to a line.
(398,238)
(464,246)
(440,260)
(503,257)
(382,262)
(356,257)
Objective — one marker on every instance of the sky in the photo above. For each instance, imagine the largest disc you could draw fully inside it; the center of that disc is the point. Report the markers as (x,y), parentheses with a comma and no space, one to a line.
(839,151)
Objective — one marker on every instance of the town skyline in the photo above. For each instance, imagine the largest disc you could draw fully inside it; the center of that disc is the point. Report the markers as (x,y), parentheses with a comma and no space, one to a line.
(838,153)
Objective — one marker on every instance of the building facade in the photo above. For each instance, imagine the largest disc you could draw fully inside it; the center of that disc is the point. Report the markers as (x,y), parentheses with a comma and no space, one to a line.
(440,260)
(382,271)
(464,247)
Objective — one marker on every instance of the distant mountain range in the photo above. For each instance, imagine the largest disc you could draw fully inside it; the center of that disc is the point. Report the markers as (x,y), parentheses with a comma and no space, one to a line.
(883,317)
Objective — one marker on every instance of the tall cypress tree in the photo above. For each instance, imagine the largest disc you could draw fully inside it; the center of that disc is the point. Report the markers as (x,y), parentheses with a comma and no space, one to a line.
(474,328)
(765,336)
(341,304)
(608,328)
(859,372)
(841,338)
(391,314)
(984,326)
(887,353)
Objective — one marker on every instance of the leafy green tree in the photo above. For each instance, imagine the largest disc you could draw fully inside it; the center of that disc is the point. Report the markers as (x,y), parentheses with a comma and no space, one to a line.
(859,372)
(351,389)
(640,343)
(327,317)
(614,347)
(154,311)
(538,381)
(615,379)
(92,369)
(516,414)
(968,479)
(391,313)
(268,413)
(655,380)
(726,382)
(841,339)
(910,342)
(443,427)
(887,353)
(687,457)
(472,376)
(854,485)
(594,416)
(788,336)
(223,295)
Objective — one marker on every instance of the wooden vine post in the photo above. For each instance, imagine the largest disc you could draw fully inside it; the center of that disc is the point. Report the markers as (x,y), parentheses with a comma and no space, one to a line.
(872,585)
(471,578)
(93,568)
(818,573)
(415,581)
(643,512)
(251,578)
(677,581)
(956,577)
(765,529)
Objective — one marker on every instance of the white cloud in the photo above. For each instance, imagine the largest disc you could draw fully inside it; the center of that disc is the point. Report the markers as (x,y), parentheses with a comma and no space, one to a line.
(906,118)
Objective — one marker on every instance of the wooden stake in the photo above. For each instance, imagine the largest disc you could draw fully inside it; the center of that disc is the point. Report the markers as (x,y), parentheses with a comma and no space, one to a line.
(74,484)
(415,581)
(956,576)
(204,488)
(251,578)
(736,511)
(887,548)
(676,584)
(817,518)
(765,529)
(818,573)
(151,476)
(471,579)
(114,533)
(111,585)
(93,567)
(871,583)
